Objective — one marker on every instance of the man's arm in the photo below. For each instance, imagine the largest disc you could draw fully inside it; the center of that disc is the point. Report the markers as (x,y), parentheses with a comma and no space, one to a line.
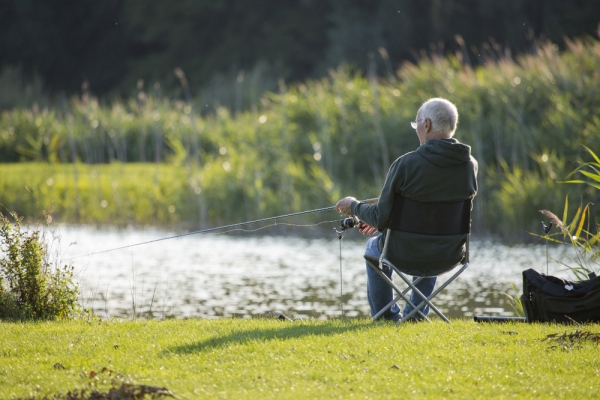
(378,215)
(344,205)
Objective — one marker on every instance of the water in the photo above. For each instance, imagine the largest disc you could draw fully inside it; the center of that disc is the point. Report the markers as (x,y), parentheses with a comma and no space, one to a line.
(212,276)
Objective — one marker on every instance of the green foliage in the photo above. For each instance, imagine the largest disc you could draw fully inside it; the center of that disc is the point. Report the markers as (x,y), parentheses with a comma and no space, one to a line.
(590,170)
(112,44)
(578,235)
(266,358)
(303,146)
(30,286)
(582,233)
(162,194)
(519,193)
(515,301)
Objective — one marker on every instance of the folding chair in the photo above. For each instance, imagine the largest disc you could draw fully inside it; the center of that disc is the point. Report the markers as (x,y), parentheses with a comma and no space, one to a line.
(420,222)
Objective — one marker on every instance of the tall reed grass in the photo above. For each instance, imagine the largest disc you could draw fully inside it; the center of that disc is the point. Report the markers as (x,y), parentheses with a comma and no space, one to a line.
(582,233)
(145,194)
(527,121)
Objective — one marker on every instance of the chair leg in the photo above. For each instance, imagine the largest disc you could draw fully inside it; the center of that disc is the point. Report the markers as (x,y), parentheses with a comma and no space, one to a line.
(427,300)
(401,293)
(412,285)
(383,276)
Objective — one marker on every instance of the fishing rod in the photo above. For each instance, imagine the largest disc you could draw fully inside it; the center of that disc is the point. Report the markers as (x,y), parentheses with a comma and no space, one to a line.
(369,201)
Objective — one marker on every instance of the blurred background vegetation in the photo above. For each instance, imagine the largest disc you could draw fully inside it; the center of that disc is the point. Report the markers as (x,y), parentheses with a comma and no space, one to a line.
(201,113)
(114,43)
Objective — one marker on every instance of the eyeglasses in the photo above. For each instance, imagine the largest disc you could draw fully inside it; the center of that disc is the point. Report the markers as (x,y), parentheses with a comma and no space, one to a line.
(414,124)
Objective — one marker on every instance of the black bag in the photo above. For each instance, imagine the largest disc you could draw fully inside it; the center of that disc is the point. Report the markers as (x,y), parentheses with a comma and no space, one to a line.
(550,299)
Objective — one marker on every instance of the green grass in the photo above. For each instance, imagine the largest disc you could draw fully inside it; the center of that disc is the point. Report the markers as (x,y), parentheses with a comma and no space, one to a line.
(141,194)
(265,358)
(120,194)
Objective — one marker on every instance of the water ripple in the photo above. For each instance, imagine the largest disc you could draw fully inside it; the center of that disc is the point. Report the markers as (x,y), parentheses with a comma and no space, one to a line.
(224,276)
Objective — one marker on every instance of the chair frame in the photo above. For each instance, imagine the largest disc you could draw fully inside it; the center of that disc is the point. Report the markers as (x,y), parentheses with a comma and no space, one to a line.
(378,264)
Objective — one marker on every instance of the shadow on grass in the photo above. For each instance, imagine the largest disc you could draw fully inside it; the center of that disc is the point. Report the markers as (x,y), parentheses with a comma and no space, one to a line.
(286,331)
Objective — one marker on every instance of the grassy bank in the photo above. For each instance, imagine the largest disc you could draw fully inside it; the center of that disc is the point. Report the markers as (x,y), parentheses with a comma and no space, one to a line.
(116,193)
(265,358)
(146,194)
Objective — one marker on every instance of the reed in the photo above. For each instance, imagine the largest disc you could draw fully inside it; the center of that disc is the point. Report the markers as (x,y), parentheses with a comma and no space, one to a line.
(157,194)
(527,121)
(582,233)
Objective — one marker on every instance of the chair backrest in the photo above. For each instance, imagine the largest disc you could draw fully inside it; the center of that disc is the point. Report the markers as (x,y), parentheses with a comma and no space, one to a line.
(438,219)
(434,236)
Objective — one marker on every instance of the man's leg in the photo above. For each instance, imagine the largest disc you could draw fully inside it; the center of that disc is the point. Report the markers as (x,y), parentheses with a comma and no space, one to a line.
(426,287)
(379,293)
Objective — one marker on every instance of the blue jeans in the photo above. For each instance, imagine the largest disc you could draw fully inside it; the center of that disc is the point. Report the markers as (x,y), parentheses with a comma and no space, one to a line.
(380,294)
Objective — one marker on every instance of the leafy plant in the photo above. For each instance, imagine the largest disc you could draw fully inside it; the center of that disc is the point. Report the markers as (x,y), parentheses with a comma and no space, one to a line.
(577,234)
(31,287)
(590,170)
(515,302)
(581,233)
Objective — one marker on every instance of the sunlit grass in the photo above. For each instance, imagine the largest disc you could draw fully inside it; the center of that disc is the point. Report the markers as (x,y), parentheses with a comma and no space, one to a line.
(115,193)
(264,358)
(140,194)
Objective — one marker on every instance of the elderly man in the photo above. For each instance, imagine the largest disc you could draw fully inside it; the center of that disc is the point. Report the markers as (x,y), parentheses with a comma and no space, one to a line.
(440,170)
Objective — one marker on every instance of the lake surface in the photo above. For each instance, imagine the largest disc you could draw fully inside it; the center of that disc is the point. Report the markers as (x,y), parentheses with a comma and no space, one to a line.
(221,275)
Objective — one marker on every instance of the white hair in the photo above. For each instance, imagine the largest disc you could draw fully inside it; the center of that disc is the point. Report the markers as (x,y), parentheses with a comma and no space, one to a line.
(442,113)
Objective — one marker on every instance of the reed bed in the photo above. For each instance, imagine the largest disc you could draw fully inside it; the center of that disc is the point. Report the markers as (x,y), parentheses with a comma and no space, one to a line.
(133,194)
(527,120)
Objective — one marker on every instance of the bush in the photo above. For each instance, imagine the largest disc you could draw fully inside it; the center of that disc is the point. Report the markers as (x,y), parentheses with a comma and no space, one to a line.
(30,286)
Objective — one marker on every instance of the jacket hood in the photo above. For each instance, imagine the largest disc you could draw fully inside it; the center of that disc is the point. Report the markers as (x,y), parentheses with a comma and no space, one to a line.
(444,152)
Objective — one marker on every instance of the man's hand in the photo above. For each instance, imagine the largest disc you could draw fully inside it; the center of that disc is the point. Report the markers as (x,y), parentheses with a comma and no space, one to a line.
(343,205)
(365,229)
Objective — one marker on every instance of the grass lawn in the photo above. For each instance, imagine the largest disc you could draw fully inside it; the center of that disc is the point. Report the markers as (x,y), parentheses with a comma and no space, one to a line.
(267,358)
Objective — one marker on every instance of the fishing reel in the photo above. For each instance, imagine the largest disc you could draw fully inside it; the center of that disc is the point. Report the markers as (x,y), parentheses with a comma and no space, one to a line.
(349,223)
(345,224)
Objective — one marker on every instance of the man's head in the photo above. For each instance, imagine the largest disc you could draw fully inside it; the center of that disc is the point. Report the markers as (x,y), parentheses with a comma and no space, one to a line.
(436,118)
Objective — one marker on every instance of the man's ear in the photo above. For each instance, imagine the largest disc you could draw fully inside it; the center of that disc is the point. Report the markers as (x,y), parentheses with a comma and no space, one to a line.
(428,125)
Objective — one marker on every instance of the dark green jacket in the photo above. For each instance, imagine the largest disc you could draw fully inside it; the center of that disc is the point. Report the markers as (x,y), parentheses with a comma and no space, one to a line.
(441,170)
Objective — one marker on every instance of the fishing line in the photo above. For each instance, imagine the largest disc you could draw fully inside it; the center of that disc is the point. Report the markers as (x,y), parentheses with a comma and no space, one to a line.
(271,225)
(211,230)
(345,224)
(341,282)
